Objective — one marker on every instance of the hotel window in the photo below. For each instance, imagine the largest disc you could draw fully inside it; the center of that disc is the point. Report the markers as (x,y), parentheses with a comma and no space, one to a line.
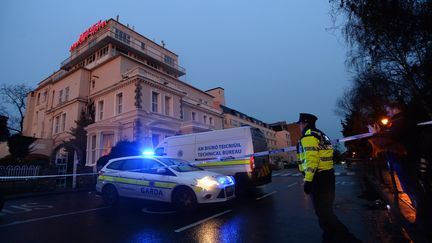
(122,36)
(155,140)
(63,125)
(60,97)
(100,109)
(155,97)
(235,123)
(152,64)
(91,58)
(167,105)
(205,119)
(119,103)
(93,149)
(38,99)
(193,116)
(211,120)
(45,96)
(66,94)
(142,45)
(53,98)
(169,60)
(103,51)
(107,143)
(57,124)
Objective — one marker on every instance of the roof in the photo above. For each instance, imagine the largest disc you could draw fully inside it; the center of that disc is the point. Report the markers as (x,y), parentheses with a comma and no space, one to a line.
(231,111)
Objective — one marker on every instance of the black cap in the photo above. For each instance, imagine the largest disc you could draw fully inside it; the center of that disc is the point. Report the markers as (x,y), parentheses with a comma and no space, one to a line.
(307,118)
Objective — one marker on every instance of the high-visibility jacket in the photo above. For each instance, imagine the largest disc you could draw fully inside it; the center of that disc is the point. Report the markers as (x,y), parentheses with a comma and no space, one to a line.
(316,152)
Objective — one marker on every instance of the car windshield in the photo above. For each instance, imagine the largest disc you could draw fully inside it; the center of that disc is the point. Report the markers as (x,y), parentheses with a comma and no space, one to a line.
(179,165)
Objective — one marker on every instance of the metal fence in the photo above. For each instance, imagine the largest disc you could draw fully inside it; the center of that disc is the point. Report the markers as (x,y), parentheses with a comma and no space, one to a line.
(17,170)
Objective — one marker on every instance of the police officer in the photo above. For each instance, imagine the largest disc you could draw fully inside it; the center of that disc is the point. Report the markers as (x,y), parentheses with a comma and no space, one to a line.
(316,151)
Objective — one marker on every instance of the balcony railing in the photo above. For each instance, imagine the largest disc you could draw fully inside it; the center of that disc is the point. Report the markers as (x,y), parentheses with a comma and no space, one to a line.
(132,43)
(196,124)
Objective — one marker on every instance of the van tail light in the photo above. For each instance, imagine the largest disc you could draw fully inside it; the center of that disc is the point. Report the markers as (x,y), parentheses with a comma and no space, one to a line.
(252,163)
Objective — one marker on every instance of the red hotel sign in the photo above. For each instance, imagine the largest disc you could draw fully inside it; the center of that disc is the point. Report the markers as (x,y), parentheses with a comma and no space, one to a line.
(86,34)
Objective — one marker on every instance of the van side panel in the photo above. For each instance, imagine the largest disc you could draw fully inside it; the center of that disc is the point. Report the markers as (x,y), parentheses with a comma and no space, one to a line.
(224,145)
(182,147)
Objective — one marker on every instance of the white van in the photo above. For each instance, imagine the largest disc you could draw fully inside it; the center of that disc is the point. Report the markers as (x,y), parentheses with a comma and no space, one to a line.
(226,151)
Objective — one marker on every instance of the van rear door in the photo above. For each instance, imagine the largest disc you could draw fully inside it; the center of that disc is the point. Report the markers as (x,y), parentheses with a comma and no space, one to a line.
(259,145)
(261,163)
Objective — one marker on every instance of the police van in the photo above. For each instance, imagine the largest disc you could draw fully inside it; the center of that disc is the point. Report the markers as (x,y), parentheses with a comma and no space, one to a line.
(162,179)
(226,151)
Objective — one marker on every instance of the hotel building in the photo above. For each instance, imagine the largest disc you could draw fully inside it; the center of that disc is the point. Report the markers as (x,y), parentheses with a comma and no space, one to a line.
(131,83)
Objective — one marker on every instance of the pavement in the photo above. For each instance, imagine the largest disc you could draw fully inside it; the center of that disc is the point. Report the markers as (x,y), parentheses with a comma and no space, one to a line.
(398,202)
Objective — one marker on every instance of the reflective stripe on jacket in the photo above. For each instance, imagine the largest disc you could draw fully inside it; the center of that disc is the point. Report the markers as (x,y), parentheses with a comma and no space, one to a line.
(317,153)
(300,157)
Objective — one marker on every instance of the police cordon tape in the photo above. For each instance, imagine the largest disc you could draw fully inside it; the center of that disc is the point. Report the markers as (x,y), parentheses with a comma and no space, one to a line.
(44,176)
(287,149)
(263,153)
(424,123)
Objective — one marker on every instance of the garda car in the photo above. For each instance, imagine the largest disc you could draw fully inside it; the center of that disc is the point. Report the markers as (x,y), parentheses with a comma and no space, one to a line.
(162,179)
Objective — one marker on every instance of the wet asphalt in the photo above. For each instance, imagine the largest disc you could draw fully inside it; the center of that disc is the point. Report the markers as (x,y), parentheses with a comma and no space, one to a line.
(277,212)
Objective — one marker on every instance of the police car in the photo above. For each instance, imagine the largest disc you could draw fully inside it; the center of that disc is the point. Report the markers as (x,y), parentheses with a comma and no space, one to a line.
(162,179)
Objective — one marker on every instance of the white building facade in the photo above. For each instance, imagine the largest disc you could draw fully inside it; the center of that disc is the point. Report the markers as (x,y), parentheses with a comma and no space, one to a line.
(131,83)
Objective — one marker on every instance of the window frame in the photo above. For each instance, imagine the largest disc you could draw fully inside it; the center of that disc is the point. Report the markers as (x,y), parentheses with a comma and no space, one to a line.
(100,110)
(56,124)
(66,94)
(118,104)
(168,112)
(63,122)
(153,102)
(60,96)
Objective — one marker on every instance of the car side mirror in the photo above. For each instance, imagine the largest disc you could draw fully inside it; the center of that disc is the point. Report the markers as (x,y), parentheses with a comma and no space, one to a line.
(161,171)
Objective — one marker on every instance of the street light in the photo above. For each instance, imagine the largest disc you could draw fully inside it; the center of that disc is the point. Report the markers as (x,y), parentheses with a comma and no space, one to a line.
(385,121)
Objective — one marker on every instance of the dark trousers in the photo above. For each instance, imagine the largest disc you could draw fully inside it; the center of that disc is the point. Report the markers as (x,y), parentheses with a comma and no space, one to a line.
(323,196)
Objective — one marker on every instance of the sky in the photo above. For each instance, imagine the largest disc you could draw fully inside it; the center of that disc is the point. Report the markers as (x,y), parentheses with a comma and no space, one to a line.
(274,58)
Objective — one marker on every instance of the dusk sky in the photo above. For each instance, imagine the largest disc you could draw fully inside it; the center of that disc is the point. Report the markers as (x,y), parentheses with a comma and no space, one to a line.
(273,58)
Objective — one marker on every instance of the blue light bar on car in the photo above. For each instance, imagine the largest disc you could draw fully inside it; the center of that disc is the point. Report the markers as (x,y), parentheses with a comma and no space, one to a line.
(148,153)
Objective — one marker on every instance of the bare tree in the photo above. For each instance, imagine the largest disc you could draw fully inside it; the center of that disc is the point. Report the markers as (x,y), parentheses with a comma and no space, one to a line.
(14,96)
(391,44)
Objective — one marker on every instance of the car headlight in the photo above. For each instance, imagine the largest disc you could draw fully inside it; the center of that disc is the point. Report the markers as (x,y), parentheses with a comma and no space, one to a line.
(207,183)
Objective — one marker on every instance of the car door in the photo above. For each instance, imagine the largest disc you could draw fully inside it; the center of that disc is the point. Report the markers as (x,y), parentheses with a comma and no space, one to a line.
(130,178)
(160,183)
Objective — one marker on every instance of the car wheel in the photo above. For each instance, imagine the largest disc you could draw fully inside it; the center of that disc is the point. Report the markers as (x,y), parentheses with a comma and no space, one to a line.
(110,195)
(184,199)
